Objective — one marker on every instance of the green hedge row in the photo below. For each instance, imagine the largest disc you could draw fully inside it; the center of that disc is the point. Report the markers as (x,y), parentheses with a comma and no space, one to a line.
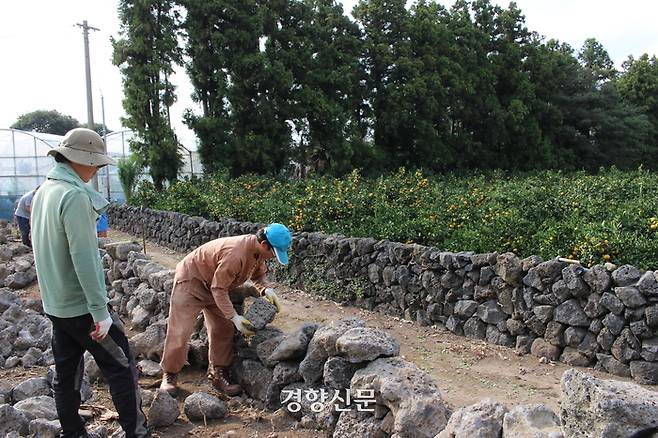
(610,216)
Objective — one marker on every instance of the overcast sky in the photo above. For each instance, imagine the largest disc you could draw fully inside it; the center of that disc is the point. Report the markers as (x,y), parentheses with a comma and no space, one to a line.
(43,58)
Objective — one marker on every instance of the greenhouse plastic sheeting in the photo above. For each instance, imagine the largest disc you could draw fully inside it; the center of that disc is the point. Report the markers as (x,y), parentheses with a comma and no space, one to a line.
(24,165)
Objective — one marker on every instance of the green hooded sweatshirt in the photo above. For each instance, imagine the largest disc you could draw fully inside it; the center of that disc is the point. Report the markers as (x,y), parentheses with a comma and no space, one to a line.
(69,269)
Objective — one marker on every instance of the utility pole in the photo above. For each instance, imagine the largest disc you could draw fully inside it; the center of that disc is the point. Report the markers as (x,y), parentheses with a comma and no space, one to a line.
(90,108)
(107,168)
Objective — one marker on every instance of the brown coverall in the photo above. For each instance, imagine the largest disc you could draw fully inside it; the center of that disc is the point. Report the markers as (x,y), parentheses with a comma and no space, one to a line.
(205,280)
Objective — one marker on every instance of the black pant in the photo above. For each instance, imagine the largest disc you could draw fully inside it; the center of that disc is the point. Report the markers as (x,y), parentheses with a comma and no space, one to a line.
(24,227)
(70,340)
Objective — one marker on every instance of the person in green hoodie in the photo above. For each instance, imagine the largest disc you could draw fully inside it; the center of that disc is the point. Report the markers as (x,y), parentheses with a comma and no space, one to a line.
(70,275)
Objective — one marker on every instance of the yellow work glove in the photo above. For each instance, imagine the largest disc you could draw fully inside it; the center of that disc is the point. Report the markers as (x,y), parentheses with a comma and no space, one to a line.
(244,325)
(271,296)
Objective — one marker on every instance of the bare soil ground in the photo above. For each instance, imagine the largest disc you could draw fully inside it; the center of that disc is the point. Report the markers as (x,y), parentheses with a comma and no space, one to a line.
(465,370)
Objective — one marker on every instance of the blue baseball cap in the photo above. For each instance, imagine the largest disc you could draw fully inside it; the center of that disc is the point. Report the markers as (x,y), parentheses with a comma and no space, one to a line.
(280,239)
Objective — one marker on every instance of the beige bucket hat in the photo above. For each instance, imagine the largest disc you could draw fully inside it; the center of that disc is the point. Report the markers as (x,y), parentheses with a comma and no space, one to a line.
(83,146)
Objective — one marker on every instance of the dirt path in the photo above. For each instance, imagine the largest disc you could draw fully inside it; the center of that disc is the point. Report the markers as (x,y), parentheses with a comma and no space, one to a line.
(465,370)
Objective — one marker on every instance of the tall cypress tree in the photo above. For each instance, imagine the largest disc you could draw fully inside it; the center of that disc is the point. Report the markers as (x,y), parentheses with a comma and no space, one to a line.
(390,73)
(433,74)
(519,145)
(207,71)
(146,53)
(554,74)
(474,108)
(319,47)
(241,128)
(638,85)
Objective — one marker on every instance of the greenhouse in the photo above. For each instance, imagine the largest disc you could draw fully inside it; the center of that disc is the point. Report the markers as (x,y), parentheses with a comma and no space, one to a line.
(24,165)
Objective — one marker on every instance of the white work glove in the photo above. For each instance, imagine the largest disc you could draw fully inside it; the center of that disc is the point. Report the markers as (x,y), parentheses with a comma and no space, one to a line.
(271,296)
(101,330)
(243,324)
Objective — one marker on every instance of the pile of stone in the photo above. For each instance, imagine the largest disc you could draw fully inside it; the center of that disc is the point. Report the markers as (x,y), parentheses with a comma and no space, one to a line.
(605,316)
(16,266)
(162,409)
(139,290)
(25,333)
(7,231)
(344,377)
(589,407)
(28,408)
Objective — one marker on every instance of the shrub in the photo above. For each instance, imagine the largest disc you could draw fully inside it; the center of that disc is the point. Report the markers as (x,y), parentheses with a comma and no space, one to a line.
(128,169)
(610,216)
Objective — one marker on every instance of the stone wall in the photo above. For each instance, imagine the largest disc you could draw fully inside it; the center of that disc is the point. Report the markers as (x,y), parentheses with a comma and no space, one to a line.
(605,316)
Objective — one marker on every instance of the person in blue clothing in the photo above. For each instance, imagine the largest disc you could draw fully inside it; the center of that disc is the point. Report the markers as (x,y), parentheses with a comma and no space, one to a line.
(22,216)
(102,225)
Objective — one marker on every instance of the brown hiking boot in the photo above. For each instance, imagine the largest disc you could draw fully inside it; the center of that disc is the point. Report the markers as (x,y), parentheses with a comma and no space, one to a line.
(169,383)
(220,381)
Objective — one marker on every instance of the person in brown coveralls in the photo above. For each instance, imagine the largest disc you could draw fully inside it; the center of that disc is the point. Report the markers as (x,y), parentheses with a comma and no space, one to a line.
(204,282)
